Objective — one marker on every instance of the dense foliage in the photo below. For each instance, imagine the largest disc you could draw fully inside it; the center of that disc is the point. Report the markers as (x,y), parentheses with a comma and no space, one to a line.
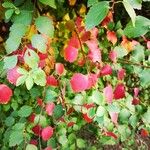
(74,74)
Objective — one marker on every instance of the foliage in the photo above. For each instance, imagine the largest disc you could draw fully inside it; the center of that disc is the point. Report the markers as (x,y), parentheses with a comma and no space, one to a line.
(73,74)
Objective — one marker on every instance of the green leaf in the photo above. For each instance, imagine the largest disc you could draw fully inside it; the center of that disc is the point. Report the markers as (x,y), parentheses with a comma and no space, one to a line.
(142,25)
(18,126)
(9,13)
(81,143)
(52,142)
(16,137)
(100,111)
(124,115)
(50,95)
(50,3)
(29,82)
(136,4)
(39,42)
(97,97)
(17,31)
(22,71)
(133,120)
(58,111)
(39,77)
(8,5)
(24,17)
(9,121)
(31,58)
(130,11)
(31,147)
(21,80)
(25,111)
(10,62)
(91,2)
(41,120)
(121,51)
(96,14)
(45,25)
(144,77)
(113,108)
(138,54)
(146,116)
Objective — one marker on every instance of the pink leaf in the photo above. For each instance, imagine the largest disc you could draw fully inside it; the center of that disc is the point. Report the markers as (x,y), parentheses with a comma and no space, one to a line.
(136,92)
(92,44)
(5,94)
(92,80)
(95,55)
(47,133)
(94,33)
(70,53)
(119,91)
(113,56)
(108,93)
(106,70)
(51,81)
(148,44)
(59,67)
(114,117)
(13,75)
(111,36)
(121,74)
(79,82)
(48,148)
(50,108)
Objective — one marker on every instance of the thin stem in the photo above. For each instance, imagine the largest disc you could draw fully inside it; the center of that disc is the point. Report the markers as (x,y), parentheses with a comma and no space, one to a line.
(132,63)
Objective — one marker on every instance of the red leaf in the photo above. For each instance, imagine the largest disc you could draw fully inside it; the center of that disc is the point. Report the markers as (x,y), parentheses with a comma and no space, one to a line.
(121,74)
(5,94)
(108,93)
(59,68)
(41,64)
(70,53)
(88,106)
(111,134)
(144,133)
(42,56)
(37,130)
(111,36)
(114,117)
(79,82)
(40,101)
(87,118)
(119,91)
(85,36)
(31,118)
(47,133)
(107,20)
(50,108)
(106,70)
(70,111)
(70,124)
(34,142)
(74,42)
(51,81)
(113,56)
(135,101)
(13,75)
